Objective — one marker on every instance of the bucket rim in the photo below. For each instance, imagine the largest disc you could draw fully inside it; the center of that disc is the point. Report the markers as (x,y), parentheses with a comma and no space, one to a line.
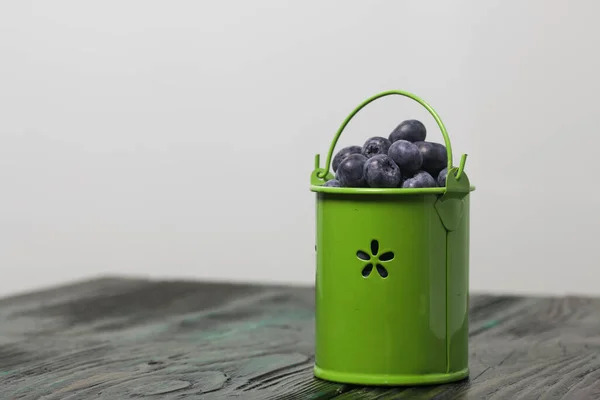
(377,191)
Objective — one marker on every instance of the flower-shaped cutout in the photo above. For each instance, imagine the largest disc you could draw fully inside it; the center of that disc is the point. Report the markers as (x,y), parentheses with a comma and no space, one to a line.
(374,260)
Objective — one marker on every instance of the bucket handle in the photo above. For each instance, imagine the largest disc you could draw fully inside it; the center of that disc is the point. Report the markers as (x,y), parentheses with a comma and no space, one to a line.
(323,173)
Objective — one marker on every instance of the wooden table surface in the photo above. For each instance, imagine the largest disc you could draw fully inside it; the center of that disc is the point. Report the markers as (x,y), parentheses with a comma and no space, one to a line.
(124,338)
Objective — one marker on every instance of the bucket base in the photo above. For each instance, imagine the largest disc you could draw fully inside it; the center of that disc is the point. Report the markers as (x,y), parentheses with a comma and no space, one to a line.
(389,380)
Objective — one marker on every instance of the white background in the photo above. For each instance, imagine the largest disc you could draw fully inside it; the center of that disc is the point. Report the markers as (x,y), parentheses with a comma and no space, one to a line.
(176,138)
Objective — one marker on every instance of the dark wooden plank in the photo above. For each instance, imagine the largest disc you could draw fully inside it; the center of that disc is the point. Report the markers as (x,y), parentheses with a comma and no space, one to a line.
(148,338)
(120,339)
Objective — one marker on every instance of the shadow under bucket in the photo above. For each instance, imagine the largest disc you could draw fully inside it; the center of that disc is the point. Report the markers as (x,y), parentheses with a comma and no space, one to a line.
(392,281)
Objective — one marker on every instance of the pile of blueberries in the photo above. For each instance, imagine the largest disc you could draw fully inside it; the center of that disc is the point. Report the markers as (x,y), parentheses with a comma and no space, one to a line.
(404,160)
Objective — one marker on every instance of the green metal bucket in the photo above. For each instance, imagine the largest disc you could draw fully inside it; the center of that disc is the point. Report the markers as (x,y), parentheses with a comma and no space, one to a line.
(392,282)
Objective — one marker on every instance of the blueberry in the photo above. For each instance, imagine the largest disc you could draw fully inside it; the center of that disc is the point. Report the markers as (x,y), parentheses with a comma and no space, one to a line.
(343,153)
(441,179)
(332,183)
(406,155)
(350,171)
(382,172)
(434,155)
(375,146)
(410,130)
(405,176)
(421,179)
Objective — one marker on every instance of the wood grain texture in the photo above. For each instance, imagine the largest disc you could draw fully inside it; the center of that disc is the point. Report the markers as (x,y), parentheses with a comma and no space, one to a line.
(124,339)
